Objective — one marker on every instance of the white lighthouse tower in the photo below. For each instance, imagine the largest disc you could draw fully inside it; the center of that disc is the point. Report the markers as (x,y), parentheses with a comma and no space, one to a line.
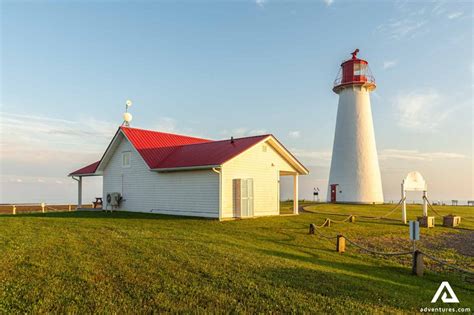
(355,174)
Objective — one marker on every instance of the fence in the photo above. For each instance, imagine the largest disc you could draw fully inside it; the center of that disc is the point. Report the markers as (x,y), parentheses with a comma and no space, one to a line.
(417,265)
(38,207)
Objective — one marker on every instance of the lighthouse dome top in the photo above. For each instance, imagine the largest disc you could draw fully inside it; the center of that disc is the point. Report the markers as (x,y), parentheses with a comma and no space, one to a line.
(354,71)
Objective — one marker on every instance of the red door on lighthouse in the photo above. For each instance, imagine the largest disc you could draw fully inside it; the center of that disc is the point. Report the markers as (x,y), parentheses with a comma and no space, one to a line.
(333,192)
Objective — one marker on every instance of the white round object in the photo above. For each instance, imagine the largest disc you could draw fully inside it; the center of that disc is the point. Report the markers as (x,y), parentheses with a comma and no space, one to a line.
(128,103)
(127,117)
(414,182)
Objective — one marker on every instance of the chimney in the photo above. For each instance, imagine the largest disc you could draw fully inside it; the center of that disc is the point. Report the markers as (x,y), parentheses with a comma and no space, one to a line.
(231,139)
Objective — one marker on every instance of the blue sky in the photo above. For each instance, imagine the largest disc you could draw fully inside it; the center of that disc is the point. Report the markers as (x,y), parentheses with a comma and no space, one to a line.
(217,69)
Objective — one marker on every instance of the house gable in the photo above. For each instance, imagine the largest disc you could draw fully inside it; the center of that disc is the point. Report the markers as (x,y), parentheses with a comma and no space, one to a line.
(264,164)
(193,193)
(292,164)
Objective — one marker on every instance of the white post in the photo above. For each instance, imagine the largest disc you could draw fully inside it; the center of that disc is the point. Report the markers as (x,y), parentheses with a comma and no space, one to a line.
(295,194)
(404,204)
(14,209)
(79,192)
(43,205)
(425,203)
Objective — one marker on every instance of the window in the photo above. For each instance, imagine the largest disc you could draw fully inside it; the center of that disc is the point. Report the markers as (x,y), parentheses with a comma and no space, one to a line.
(126,157)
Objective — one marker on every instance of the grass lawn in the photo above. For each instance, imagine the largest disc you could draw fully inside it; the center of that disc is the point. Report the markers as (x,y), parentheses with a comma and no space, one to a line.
(127,263)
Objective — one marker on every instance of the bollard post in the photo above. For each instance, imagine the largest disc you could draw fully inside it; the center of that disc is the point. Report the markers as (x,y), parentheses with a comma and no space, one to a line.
(42,207)
(352,219)
(340,244)
(14,209)
(311,228)
(418,265)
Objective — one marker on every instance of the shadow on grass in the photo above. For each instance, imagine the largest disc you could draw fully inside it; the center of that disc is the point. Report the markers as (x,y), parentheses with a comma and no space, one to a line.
(359,281)
(106,215)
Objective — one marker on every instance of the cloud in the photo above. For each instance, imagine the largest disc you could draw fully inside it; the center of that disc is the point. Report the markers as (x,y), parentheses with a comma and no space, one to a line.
(455,15)
(294,134)
(313,157)
(261,3)
(166,124)
(421,110)
(37,152)
(39,139)
(242,132)
(403,28)
(328,2)
(389,64)
(415,155)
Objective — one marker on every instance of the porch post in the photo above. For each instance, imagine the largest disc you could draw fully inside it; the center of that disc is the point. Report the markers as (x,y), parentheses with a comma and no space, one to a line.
(79,192)
(295,193)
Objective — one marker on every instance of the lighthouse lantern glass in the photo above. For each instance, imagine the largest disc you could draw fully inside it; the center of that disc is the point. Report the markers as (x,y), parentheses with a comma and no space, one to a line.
(354,71)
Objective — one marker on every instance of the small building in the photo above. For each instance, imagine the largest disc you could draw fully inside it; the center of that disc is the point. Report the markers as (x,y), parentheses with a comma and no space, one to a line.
(165,173)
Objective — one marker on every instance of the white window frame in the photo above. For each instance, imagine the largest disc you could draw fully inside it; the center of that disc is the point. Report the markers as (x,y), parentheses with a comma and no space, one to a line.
(124,155)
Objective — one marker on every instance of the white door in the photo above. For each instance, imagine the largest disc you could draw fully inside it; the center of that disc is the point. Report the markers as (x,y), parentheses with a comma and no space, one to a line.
(247,197)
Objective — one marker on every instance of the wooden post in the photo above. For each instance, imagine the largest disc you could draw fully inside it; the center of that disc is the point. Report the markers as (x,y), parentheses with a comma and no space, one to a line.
(43,205)
(352,219)
(69,208)
(418,265)
(295,194)
(312,227)
(327,223)
(14,209)
(340,244)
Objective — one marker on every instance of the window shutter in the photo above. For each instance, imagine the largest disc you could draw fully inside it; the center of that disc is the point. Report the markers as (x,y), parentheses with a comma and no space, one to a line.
(237,198)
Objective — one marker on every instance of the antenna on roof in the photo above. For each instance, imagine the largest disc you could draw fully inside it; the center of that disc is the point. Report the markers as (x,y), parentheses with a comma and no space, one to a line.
(127,117)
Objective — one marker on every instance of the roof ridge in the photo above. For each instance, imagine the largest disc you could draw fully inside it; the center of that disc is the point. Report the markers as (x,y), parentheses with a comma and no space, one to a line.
(162,132)
(177,147)
(229,139)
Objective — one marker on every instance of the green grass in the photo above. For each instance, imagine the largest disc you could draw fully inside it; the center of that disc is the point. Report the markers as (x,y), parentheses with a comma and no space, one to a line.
(128,263)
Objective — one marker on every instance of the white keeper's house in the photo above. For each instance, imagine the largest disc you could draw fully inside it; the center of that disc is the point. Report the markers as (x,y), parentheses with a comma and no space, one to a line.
(172,174)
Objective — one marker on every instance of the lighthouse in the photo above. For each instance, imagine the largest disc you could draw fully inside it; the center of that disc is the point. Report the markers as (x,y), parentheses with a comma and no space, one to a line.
(354,176)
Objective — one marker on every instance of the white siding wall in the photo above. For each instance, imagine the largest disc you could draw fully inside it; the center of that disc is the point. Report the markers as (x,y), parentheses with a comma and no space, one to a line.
(191,193)
(257,164)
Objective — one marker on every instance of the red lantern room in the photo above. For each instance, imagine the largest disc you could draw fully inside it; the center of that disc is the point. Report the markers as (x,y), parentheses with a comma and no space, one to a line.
(354,71)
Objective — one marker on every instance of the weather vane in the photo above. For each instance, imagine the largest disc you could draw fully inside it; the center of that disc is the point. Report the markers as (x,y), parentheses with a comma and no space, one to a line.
(127,117)
(354,53)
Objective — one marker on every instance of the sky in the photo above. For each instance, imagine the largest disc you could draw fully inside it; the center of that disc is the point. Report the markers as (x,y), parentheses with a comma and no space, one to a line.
(218,69)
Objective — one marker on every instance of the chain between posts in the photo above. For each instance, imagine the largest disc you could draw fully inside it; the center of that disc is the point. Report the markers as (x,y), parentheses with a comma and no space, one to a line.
(365,217)
(377,252)
(446,264)
(431,207)
(410,252)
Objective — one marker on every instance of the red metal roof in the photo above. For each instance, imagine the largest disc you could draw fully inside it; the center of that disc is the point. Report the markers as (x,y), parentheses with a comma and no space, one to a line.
(208,153)
(154,146)
(166,151)
(86,170)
